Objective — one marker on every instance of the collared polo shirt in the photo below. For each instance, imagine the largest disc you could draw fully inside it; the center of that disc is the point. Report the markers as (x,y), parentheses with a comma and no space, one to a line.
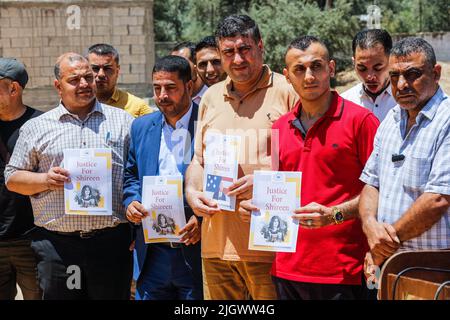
(331,158)
(380,107)
(41,144)
(128,102)
(425,168)
(225,235)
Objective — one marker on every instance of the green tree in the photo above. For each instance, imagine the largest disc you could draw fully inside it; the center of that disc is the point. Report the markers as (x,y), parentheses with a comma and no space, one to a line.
(281,21)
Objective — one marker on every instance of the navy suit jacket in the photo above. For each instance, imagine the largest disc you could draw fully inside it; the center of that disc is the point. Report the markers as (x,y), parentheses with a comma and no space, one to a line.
(143,160)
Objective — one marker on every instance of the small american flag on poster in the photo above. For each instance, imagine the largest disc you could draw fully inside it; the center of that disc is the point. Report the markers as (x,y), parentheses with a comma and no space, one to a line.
(221,167)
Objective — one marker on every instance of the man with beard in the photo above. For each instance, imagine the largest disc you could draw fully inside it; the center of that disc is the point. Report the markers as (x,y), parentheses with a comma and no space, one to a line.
(371,58)
(162,144)
(207,60)
(405,204)
(95,247)
(104,60)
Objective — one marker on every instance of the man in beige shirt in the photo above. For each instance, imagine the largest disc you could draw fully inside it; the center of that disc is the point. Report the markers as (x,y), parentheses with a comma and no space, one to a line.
(104,60)
(245,104)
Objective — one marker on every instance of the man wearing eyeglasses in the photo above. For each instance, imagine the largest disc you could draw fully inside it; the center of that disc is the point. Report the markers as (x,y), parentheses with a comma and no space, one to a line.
(405,204)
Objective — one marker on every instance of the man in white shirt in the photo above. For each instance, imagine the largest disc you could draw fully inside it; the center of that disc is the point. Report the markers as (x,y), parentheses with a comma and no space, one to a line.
(371,59)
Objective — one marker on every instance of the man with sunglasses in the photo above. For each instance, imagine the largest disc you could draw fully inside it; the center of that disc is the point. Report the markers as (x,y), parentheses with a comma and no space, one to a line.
(405,204)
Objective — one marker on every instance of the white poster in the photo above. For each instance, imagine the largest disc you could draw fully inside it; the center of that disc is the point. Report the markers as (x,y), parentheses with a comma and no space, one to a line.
(90,189)
(277,195)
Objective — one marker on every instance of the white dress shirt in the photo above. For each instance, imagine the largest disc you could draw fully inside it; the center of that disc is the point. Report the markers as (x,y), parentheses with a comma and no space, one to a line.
(380,107)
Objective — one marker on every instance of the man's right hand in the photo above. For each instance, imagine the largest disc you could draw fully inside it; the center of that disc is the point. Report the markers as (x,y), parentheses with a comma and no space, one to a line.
(200,204)
(56,177)
(136,212)
(245,210)
(382,238)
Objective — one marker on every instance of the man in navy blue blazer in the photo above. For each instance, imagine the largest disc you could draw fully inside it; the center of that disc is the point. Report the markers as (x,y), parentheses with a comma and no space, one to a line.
(162,144)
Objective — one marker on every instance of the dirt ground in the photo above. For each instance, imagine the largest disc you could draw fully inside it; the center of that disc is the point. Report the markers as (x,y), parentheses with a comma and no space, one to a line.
(348,79)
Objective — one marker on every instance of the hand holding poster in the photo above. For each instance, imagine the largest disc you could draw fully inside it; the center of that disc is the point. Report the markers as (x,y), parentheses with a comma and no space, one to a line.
(162,197)
(277,195)
(221,168)
(90,190)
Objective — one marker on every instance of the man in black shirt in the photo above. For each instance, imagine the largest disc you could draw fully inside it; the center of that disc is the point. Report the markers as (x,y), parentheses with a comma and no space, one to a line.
(17,260)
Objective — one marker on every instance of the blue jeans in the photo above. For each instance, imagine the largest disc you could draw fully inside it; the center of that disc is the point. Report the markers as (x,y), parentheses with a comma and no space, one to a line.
(165,275)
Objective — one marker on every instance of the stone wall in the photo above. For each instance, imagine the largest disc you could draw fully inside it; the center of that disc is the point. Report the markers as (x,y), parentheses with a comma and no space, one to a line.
(37,32)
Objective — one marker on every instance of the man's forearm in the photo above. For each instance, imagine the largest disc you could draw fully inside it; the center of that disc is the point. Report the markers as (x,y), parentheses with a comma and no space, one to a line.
(194,176)
(27,183)
(349,208)
(422,215)
(368,205)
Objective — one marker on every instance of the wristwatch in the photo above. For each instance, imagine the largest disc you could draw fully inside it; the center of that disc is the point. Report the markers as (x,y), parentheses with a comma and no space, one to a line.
(338,216)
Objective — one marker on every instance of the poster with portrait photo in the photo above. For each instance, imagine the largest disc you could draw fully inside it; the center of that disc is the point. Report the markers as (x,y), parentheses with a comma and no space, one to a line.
(277,195)
(162,197)
(90,190)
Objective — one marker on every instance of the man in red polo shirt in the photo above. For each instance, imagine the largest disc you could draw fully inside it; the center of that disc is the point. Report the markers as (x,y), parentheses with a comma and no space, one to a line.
(329,140)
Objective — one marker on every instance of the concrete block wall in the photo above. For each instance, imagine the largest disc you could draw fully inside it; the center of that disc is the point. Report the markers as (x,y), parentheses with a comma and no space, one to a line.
(37,32)
(440,41)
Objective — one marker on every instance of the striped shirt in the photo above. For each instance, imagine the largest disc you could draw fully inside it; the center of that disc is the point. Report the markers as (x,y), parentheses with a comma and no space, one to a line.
(40,147)
(425,168)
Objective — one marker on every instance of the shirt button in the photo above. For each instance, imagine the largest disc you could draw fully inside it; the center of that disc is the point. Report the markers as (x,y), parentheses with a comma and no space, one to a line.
(84,143)
(376,106)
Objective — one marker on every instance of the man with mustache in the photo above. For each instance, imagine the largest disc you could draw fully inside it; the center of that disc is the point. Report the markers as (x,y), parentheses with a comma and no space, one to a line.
(186,50)
(245,104)
(104,60)
(207,60)
(405,204)
(162,144)
(94,249)
(328,139)
(371,59)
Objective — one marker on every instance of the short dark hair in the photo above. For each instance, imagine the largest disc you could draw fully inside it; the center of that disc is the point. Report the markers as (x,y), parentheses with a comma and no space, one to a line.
(238,25)
(174,64)
(303,42)
(366,39)
(410,45)
(206,42)
(186,44)
(103,49)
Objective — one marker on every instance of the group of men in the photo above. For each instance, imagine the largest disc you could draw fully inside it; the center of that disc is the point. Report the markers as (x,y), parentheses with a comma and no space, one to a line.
(368,189)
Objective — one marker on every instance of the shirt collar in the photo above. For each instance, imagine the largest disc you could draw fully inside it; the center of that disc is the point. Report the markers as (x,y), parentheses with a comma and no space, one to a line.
(428,111)
(62,111)
(363,93)
(183,123)
(335,109)
(201,92)
(115,96)
(265,81)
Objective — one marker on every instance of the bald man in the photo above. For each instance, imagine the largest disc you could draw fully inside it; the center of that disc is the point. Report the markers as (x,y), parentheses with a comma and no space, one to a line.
(79,257)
